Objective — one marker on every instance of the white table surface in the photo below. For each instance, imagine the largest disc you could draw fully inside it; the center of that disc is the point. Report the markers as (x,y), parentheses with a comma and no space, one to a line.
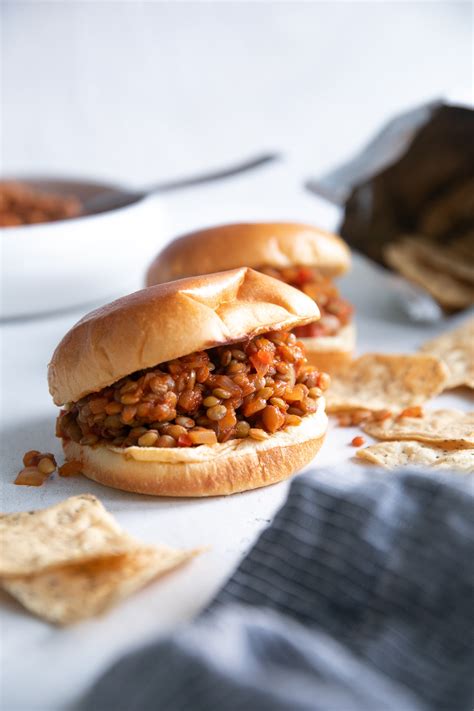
(45,668)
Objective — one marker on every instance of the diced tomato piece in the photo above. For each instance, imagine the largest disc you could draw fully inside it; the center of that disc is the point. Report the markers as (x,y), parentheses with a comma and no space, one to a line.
(311,330)
(415,411)
(261,361)
(264,356)
(184,440)
(304,275)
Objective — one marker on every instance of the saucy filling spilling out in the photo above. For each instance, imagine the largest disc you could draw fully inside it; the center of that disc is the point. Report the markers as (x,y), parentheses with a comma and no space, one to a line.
(249,389)
(336,312)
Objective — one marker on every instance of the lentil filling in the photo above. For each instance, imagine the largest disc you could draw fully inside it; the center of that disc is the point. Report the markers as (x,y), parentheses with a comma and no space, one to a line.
(336,312)
(23,205)
(248,389)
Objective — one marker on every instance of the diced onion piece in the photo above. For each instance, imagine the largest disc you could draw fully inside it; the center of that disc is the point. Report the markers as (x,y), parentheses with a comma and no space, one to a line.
(203,437)
(184,440)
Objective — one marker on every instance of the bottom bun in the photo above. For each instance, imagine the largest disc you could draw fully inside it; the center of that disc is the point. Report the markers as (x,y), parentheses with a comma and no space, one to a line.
(220,469)
(331,354)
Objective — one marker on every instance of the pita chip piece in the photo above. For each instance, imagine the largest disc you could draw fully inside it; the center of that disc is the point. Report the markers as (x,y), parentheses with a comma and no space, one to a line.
(400,454)
(445,428)
(73,593)
(376,381)
(76,530)
(456,350)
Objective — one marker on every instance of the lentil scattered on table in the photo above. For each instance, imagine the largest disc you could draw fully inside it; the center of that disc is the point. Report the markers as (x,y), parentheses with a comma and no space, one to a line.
(38,466)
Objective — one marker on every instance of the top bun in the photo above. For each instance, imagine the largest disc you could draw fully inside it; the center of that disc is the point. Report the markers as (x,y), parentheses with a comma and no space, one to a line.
(258,244)
(169,321)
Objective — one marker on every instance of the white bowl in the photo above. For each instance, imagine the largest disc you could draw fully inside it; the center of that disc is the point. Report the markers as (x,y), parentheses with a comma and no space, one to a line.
(58,265)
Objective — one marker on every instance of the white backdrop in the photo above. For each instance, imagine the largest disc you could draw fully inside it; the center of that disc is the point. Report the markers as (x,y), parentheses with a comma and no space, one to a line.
(140,91)
(135,91)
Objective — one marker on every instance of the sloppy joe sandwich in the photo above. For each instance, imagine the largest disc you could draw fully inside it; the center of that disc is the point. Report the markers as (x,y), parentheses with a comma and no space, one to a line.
(303,256)
(193,388)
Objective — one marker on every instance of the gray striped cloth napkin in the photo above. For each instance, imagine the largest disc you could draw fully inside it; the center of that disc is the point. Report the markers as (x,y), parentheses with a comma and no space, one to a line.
(358,597)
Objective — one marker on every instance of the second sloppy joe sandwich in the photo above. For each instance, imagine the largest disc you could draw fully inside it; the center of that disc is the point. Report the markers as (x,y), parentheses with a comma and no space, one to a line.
(192,388)
(303,256)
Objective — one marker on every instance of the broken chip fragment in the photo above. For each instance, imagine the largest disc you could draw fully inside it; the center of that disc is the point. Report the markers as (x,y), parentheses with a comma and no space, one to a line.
(74,531)
(72,593)
(72,561)
(451,429)
(456,350)
(378,381)
(398,454)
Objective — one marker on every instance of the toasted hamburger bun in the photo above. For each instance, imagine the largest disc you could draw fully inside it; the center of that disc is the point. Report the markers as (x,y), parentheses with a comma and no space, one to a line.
(169,321)
(279,245)
(258,244)
(331,353)
(217,470)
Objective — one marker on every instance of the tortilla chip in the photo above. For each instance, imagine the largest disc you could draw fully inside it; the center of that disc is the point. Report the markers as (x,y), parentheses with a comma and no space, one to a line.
(456,350)
(75,530)
(449,291)
(444,259)
(376,381)
(73,593)
(399,454)
(445,428)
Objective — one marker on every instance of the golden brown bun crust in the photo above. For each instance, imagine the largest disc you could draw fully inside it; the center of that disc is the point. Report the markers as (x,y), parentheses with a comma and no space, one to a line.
(331,354)
(168,321)
(280,244)
(257,466)
(331,362)
(198,479)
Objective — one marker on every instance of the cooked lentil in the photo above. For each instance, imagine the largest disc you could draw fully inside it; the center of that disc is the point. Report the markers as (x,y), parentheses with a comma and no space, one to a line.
(336,312)
(70,468)
(31,458)
(257,433)
(148,439)
(30,476)
(202,399)
(46,466)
